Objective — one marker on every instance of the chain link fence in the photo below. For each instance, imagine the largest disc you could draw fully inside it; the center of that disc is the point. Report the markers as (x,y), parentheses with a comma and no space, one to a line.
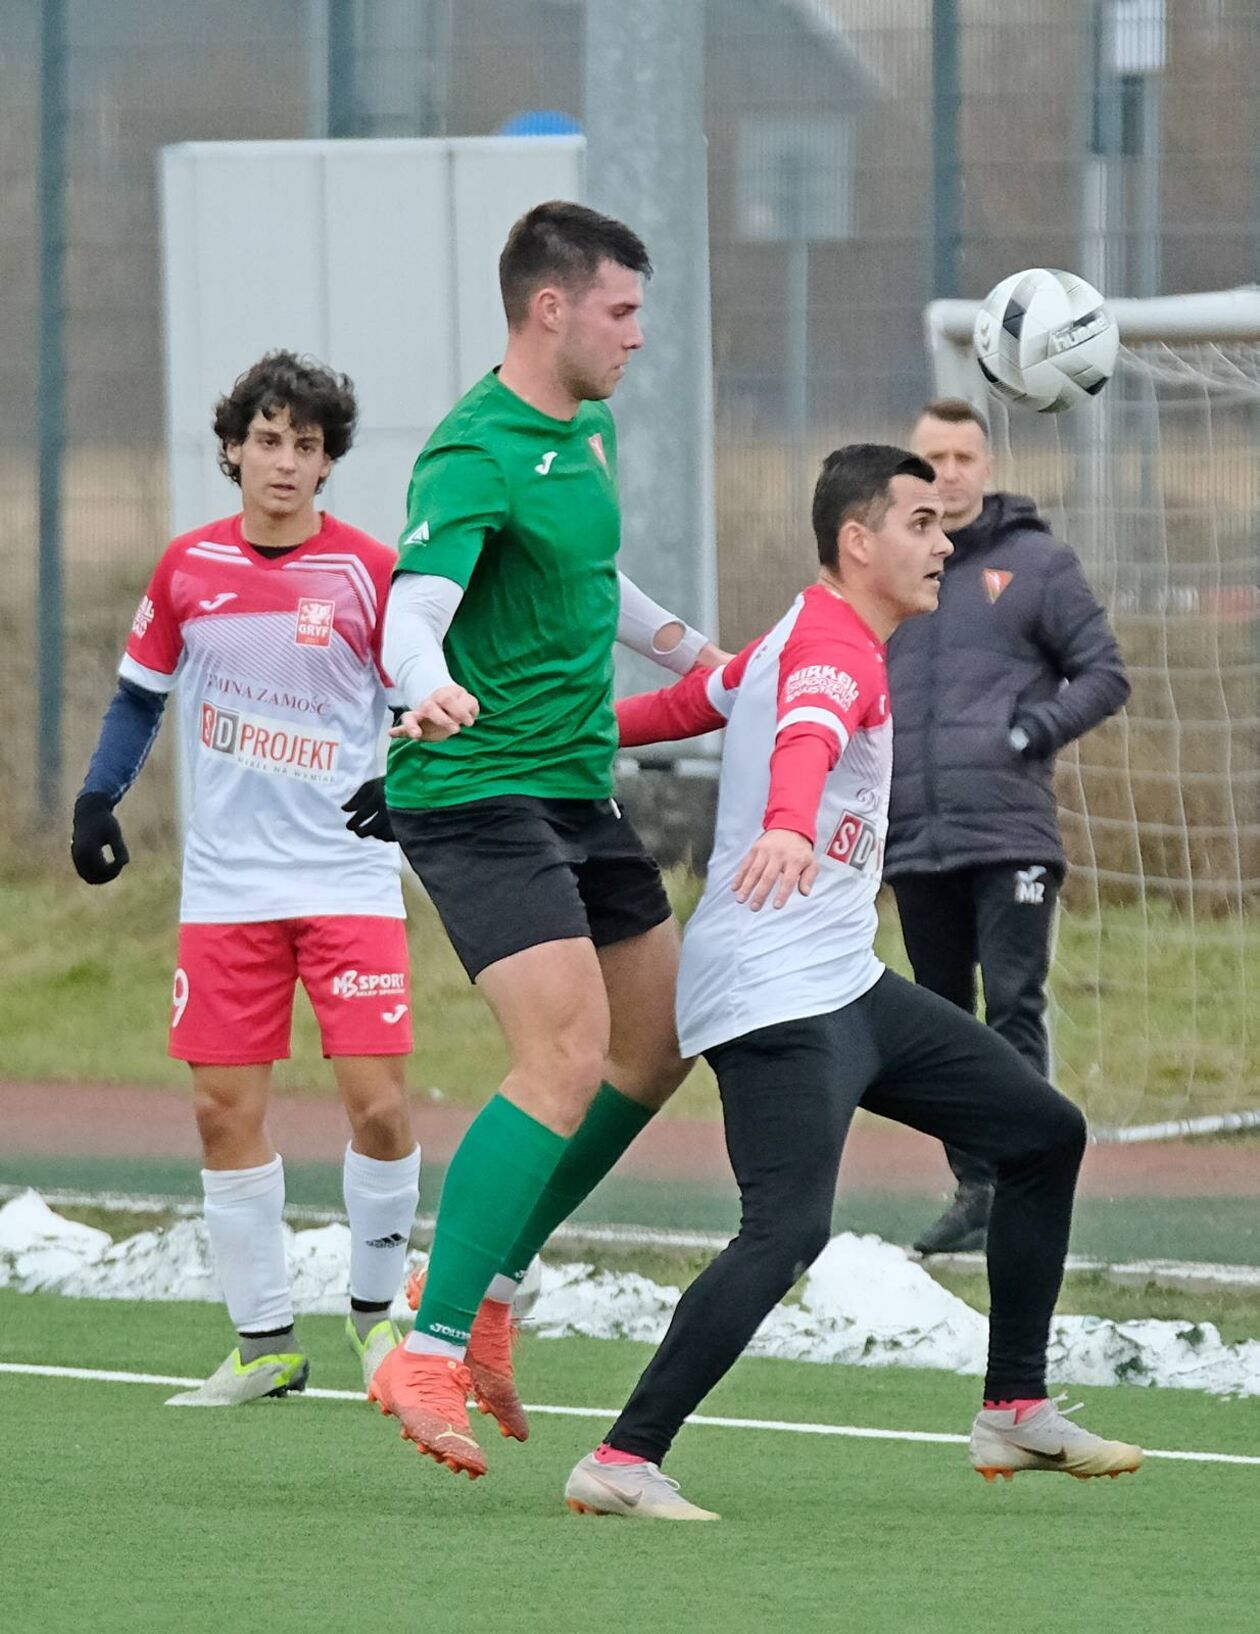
(863,157)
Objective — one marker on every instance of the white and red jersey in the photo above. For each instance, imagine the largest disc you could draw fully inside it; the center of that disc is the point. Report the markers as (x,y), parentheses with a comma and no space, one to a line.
(282,706)
(808,748)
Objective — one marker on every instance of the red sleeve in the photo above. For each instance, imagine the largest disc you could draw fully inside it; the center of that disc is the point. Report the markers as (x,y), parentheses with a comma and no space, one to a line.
(701,702)
(156,641)
(827,689)
(679,711)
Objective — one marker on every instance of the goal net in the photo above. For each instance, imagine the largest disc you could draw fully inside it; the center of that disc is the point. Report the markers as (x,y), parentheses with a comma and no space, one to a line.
(1157,970)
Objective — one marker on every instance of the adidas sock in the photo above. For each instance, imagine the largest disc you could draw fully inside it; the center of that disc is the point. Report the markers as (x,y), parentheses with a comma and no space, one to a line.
(280,1342)
(381,1198)
(491,1189)
(243,1210)
(612,1121)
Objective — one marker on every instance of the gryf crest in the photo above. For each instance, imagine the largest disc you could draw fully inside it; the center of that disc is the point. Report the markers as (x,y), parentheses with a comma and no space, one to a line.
(996,580)
(597,447)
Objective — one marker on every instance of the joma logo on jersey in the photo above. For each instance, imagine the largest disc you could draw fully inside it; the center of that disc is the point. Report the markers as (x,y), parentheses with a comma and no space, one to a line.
(354,984)
(857,843)
(263,745)
(314,622)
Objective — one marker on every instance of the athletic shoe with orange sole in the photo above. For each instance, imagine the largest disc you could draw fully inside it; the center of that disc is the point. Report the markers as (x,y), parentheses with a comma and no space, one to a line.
(489,1361)
(1046,1439)
(428,1395)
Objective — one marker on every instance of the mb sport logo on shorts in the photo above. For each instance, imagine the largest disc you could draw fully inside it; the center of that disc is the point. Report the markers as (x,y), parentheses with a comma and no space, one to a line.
(264,745)
(314,622)
(856,842)
(357,984)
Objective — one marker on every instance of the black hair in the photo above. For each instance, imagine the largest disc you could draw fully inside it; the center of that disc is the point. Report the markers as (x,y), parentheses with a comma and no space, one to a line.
(855,483)
(313,394)
(565,244)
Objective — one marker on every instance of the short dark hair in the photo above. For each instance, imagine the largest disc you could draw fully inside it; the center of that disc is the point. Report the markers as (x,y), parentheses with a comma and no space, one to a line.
(854,484)
(313,394)
(563,243)
(955,411)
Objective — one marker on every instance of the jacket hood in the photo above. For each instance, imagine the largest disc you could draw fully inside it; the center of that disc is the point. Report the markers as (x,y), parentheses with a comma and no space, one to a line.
(1002,515)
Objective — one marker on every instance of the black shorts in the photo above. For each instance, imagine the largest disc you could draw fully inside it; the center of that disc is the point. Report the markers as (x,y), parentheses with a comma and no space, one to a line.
(514,871)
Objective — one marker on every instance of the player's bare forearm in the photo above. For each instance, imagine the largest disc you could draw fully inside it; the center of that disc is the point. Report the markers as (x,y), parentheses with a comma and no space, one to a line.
(780,862)
(711,656)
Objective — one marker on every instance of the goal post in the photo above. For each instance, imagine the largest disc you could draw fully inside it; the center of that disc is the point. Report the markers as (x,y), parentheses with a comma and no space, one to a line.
(1156,484)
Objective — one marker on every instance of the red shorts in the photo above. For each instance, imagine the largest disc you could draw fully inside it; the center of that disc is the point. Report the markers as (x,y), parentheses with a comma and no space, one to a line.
(233,998)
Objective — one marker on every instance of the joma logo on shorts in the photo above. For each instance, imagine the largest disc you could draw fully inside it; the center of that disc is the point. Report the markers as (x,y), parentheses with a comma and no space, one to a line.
(354,984)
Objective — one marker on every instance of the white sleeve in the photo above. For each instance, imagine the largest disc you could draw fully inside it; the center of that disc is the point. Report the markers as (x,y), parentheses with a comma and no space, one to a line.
(417,616)
(642,620)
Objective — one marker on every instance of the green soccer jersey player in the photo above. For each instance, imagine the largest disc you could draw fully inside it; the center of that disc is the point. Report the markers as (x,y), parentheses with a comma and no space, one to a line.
(499,634)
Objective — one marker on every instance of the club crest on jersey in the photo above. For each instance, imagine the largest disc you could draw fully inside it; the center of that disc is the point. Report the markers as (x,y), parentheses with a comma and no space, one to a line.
(597,447)
(856,843)
(314,622)
(996,580)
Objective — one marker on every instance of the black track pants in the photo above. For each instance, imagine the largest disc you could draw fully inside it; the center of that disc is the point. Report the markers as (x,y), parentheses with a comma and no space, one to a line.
(1000,919)
(788,1094)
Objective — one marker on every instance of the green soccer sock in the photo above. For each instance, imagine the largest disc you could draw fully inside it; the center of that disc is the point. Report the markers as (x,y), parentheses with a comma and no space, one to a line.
(493,1183)
(612,1121)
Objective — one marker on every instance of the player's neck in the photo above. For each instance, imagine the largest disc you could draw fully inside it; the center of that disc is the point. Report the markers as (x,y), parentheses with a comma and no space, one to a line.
(279,532)
(532,379)
(879,620)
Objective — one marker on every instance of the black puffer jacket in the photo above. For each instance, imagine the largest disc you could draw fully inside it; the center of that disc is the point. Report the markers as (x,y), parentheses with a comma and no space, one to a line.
(1016,620)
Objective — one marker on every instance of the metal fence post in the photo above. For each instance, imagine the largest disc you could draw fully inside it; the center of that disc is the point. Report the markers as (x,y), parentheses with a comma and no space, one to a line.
(50,398)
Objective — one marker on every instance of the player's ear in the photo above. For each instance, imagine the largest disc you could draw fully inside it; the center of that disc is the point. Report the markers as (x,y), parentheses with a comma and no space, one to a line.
(547,305)
(854,543)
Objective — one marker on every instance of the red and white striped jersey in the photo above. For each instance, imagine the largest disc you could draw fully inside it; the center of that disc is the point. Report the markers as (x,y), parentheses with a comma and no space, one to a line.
(809,748)
(281,707)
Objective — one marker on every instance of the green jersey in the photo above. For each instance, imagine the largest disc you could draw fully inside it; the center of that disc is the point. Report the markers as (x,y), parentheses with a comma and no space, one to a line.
(521,511)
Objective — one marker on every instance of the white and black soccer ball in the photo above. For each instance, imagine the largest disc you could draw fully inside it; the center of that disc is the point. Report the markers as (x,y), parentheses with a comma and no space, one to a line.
(1044,339)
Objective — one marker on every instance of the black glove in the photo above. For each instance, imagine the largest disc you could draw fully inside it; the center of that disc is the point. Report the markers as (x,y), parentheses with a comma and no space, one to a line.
(1029,738)
(96,831)
(369,818)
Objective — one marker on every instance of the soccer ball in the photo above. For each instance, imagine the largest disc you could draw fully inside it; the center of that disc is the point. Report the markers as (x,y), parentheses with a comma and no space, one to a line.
(1044,339)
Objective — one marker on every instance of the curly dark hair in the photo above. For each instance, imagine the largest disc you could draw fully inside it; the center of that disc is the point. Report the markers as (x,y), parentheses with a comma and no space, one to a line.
(566,243)
(313,394)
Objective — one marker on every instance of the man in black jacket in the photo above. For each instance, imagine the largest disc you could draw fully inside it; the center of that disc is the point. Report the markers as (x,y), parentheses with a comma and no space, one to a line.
(1017,661)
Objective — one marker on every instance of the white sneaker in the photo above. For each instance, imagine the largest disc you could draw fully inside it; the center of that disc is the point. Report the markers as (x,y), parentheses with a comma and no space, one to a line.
(234,1382)
(639,1490)
(1045,1440)
(373,1350)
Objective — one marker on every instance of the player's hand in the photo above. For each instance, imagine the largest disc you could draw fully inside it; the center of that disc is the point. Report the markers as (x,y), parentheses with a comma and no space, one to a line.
(369,818)
(781,861)
(96,831)
(440,716)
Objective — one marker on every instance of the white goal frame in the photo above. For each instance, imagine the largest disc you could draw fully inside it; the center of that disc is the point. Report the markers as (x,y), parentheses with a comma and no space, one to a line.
(1219,317)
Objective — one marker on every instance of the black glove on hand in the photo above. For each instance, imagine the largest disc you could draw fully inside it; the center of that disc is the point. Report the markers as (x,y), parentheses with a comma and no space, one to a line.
(96,831)
(1029,738)
(369,818)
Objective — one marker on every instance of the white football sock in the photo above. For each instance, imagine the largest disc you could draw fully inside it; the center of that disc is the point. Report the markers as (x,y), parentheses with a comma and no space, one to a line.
(381,1199)
(424,1344)
(503,1289)
(243,1217)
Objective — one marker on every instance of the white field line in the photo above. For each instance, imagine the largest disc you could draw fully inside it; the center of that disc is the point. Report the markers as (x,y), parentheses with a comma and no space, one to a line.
(784,1426)
(1193,1275)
